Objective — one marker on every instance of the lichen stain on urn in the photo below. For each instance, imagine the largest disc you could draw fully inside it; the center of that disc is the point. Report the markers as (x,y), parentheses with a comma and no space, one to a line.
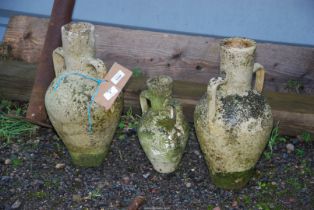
(233,121)
(163,131)
(67,105)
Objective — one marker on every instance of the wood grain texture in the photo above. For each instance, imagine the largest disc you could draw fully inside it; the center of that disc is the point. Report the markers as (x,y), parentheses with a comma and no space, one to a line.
(184,57)
(26,35)
(295,112)
(16,80)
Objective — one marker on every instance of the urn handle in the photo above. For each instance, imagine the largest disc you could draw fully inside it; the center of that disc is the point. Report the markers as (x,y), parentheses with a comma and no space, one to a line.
(214,83)
(173,112)
(144,101)
(97,65)
(259,70)
(58,60)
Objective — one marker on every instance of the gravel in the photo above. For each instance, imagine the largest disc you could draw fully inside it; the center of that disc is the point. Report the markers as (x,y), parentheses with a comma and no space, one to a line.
(290,148)
(32,180)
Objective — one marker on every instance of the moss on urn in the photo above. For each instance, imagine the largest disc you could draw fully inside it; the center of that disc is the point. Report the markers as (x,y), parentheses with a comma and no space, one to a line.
(232,120)
(67,106)
(163,131)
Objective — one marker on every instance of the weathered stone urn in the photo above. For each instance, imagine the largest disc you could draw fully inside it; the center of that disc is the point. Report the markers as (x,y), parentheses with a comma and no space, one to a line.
(85,127)
(163,131)
(233,121)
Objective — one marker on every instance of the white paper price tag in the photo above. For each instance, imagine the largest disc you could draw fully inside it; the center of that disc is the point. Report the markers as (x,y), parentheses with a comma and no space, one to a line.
(117,77)
(111,93)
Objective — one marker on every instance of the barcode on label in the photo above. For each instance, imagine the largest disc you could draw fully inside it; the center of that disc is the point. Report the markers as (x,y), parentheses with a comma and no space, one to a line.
(117,77)
(110,93)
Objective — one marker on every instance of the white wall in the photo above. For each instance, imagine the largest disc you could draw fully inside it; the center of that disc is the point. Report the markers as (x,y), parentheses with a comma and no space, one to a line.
(286,21)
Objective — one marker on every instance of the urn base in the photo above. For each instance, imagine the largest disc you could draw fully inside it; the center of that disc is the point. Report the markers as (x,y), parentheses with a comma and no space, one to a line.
(230,181)
(87,160)
(165,167)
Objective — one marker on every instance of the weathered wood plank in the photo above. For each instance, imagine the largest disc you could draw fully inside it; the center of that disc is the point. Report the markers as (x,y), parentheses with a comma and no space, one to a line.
(16,80)
(186,58)
(26,35)
(295,112)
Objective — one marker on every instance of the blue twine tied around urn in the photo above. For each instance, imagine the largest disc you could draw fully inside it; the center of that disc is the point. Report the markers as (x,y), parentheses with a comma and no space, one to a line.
(89,106)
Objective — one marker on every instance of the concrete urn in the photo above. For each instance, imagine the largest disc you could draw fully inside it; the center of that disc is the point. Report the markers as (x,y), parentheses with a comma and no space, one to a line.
(163,131)
(85,127)
(232,120)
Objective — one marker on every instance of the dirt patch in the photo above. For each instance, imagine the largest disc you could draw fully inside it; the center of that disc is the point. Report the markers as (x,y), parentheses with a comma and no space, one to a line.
(30,180)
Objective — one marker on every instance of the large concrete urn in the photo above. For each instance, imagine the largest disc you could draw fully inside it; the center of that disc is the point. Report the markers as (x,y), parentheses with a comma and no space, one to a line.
(233,120)
(85,127)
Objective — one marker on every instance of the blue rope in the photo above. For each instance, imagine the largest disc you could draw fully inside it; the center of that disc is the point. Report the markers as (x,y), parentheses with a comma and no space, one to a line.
(89,106)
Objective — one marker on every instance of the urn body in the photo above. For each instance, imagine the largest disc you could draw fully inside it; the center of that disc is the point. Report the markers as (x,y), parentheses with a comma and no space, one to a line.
(233,120)
(163,131)
(85,127)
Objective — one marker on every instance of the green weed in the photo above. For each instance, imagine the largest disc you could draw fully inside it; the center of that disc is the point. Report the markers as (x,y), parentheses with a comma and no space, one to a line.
(127,121)
(40,195)
(137,72)
(273,140)
(247,200)
(300,152)
(294,85)
(210,207)
(94,194)
(53,183)
(262,185)
(16,162)
(9,107)
(295,184)
(5,106)
(5,51)
(306,137)
(263,206)
(268,155)
(306,165)
(121,124)
(12,127)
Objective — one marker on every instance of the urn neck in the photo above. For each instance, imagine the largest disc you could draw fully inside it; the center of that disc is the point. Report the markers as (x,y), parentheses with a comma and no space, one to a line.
(236,65)
(78,43)
(160,91)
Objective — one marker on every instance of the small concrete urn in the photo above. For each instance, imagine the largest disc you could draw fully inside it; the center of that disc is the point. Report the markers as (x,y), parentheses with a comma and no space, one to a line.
(233,121)
(85,127)
(163,131)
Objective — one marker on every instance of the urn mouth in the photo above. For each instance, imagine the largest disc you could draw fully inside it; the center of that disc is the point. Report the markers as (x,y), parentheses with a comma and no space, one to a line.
(162,84)
(78,28)
(238,43)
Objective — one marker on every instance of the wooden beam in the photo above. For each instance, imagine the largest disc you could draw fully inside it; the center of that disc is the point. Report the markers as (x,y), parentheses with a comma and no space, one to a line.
(184,57)
(295,112)
(16,80)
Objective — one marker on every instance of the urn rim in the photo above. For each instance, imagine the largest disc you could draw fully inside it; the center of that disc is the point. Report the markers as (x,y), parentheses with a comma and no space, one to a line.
(159,82)
(238,43)
(78,28)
